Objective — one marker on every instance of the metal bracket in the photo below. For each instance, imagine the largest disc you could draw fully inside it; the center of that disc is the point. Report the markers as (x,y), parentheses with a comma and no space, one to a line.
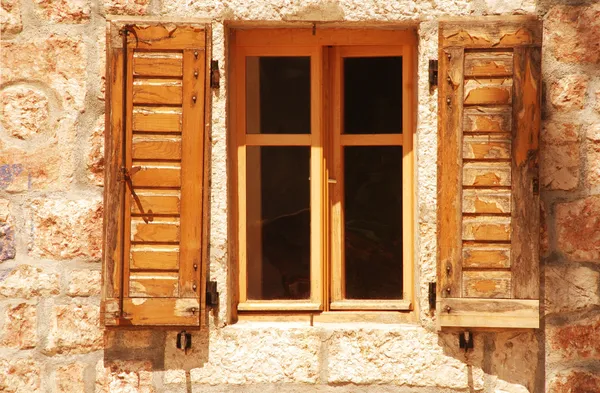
(432,295)
(433,74)
(184,340)
(465,340)
(215,74)
(212,296)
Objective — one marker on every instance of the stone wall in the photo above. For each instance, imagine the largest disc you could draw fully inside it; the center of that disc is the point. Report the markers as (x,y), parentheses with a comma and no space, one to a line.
(51,163)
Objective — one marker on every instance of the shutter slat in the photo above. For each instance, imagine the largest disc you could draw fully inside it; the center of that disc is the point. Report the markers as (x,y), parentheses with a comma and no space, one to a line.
(153,284)
(157,91)
(153,147)
(488,133)
(157,64)
(157,119)
(154,257)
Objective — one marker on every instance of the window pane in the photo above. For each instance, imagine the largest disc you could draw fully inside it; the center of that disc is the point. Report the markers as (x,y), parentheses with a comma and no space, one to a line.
(278,222)
(373,95)
(373,222)
(278,95)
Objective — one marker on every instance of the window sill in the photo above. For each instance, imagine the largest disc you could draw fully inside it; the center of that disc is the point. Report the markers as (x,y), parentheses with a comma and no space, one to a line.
(331,317)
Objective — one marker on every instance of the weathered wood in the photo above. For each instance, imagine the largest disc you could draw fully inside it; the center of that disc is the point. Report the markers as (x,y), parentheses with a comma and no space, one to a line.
(488,64)
(489,313)
(162,311)
(449,167)
(487,119)
(154,257)
(157,119)
(486,201)
(157,147)
(488,91)
(487,284)
(490,32)
(161,230)
(157,64)
(157,91)
(491,146)
(526,202)
(486,228)
(163,174)
(163,202)
(192,161)
(486,255)
(486,174)
(153,284)
(167,36)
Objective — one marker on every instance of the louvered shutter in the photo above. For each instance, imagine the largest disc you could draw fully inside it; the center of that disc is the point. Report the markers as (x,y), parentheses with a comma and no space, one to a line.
(488,198)
(153,228)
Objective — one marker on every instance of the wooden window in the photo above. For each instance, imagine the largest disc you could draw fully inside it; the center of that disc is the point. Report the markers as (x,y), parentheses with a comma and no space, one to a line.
(322,128)
(488,218)
(155,176)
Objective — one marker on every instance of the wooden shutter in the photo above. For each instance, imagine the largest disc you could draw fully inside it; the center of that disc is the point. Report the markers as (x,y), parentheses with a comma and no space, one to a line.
(488,200)
(155,177)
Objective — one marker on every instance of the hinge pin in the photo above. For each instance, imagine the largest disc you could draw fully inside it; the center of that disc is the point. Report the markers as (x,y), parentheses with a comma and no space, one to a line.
(196,54)
(194,99)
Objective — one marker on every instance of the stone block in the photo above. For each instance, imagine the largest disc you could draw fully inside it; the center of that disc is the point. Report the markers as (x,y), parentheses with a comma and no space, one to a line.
(25,111)
(560,132)
(592,171)
(7,232)
(74,329)
(10,17)
(95,155)
(64,11)
(559,166)
(174,377)
(66,229)
(20,376)
(124,377)
(575,340)
(578,228)
(515,359)
(570,288)
(69,378)
(26,281)
(568,93)
(575,381)
(84,282)
(127,7)
(20,326)
(571,33)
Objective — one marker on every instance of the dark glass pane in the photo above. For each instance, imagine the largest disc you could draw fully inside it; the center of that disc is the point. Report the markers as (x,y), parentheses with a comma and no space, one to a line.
(278,95)
(373,222)
(278,222)
(372,95)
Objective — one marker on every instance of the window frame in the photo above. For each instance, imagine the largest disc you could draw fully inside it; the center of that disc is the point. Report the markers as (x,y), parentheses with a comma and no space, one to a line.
(317,43)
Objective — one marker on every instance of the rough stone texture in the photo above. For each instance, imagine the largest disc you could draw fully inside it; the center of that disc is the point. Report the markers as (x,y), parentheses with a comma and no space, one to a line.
(69,378)
(515,359)
(20,376)
(597,106)
(7,232)
(25,281)
(84,282)
(126,7)
(95,157)
(572,33)
(569,92)
(125,377)
(25,111)
(20,326)
(571,288)
(578,228)
(74,328)
(575,381)
(66,229)
(255,354)
(593,155)
(10,16)
(559,166)
(69,11)
(575,341)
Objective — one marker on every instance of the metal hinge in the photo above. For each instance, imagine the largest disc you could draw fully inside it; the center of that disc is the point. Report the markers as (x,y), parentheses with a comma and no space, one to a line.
(432,295)
(212,296)
(215,74)
(184,340)
(433,74)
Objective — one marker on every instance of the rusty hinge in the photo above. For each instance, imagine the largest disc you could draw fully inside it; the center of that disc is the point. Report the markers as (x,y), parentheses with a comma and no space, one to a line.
(432,295)
(212,295)
(215,74)
(433,74)
(184,340)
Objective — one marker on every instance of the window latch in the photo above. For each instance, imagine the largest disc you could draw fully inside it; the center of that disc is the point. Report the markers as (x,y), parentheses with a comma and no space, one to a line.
(125,176)
(215,74)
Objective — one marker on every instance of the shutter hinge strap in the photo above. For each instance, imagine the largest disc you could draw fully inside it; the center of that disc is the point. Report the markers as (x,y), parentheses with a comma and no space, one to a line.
(215,74)
(125,176)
